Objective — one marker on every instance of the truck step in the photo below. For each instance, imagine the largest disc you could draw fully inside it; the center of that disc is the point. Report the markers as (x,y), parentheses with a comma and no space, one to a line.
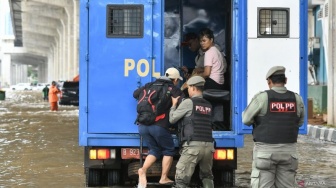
(156,184)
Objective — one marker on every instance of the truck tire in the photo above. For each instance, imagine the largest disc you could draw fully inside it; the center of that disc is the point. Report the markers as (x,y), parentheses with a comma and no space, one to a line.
(93,177)
(114,177)
(224,178)
(154,171)
(102,177)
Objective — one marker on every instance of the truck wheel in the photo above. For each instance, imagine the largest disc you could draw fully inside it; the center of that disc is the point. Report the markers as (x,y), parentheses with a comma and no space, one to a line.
(93,177)
(102,177)
(224,178)
(113,177)
(154,171)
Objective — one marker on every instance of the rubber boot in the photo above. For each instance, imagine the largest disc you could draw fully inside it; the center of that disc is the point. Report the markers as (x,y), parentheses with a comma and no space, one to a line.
(207,183)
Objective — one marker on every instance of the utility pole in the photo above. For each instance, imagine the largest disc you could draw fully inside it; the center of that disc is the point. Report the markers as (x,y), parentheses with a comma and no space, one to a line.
(332,64)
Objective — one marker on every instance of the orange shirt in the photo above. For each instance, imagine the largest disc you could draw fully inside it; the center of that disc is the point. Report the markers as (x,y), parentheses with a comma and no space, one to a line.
(53,91)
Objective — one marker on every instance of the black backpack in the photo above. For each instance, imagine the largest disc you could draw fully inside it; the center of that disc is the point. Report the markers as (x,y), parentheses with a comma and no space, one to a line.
(153,101)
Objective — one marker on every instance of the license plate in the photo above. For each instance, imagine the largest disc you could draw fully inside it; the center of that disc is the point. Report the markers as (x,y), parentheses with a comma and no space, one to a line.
(132,153)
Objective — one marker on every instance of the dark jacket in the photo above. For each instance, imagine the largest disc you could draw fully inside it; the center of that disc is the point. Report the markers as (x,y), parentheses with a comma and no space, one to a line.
(175,92)
(197,126)
(45,91)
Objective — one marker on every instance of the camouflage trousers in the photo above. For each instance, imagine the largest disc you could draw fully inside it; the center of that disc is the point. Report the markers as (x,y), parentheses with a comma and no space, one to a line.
(274,166)
(196,152)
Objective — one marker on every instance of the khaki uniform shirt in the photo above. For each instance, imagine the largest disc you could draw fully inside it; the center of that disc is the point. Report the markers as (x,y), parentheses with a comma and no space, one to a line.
(184,110)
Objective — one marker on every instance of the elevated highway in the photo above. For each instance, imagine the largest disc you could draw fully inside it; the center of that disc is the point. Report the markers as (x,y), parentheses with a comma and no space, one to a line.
(46,38)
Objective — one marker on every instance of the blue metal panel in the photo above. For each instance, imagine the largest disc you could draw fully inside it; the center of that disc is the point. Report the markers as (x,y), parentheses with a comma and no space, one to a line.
(239,73)
(228,139)
(83,51)
(223,139)
(117,66)
(304,58)
(112,68)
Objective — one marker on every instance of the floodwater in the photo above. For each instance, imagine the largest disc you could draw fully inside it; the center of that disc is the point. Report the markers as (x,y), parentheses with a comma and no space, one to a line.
(39,148)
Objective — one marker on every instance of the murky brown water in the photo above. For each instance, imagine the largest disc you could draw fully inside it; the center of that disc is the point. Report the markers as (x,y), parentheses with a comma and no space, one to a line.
(39,148)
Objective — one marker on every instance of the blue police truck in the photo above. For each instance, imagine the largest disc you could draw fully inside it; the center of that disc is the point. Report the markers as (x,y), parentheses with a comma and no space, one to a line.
(127,43)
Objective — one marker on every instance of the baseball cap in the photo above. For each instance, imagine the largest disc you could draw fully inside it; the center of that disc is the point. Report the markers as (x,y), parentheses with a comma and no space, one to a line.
(196,81)
(188,37)
(276,70)
(173,73)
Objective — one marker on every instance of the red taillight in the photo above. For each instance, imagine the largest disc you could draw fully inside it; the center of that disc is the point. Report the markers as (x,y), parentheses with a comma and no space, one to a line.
(103,154)
(220,154)
(224,154)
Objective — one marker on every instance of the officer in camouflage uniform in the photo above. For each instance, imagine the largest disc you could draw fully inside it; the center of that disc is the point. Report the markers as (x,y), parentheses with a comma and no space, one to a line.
(195,135)
(276,116)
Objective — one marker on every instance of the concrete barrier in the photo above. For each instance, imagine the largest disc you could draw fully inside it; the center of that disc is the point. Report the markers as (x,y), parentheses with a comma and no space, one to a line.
(322,133)
(332,135)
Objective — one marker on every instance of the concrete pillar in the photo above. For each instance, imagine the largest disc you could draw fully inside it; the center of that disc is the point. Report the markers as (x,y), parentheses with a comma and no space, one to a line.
(19,73)
(57,60)
(6,71)
(39,73)
(332,64)
(64,51)
(62,60)
(68,49)
(50,67)
(22,74)
(66,35)
(75,36)
(45,72)
(13,74)
(42,72)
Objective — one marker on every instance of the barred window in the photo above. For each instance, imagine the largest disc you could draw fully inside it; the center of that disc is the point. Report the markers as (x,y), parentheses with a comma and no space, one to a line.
(273,22)
(125,21)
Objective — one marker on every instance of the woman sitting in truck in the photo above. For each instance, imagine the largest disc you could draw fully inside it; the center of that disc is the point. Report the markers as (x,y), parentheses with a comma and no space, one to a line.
(214,62)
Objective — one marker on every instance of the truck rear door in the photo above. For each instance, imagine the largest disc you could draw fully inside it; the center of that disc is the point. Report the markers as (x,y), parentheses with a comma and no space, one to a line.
(277,35)
(122,38)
